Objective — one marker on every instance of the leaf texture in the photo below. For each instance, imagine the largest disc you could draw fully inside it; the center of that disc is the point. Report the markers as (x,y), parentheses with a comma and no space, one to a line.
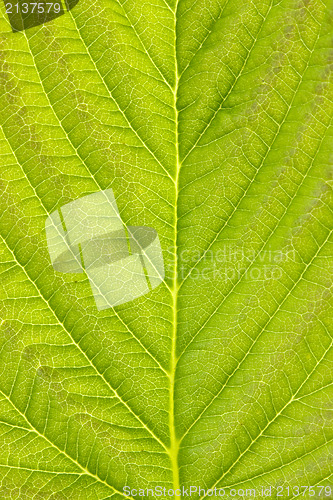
(212,123)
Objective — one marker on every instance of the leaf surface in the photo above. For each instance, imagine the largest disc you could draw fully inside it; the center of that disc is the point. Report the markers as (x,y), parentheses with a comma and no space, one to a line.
(212,123)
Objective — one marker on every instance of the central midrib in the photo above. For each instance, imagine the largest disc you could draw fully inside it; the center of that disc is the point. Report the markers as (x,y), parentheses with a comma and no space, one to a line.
(174,442)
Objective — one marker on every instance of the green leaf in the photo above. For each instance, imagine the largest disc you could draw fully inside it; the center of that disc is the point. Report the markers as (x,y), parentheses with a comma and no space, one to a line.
(211,122)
